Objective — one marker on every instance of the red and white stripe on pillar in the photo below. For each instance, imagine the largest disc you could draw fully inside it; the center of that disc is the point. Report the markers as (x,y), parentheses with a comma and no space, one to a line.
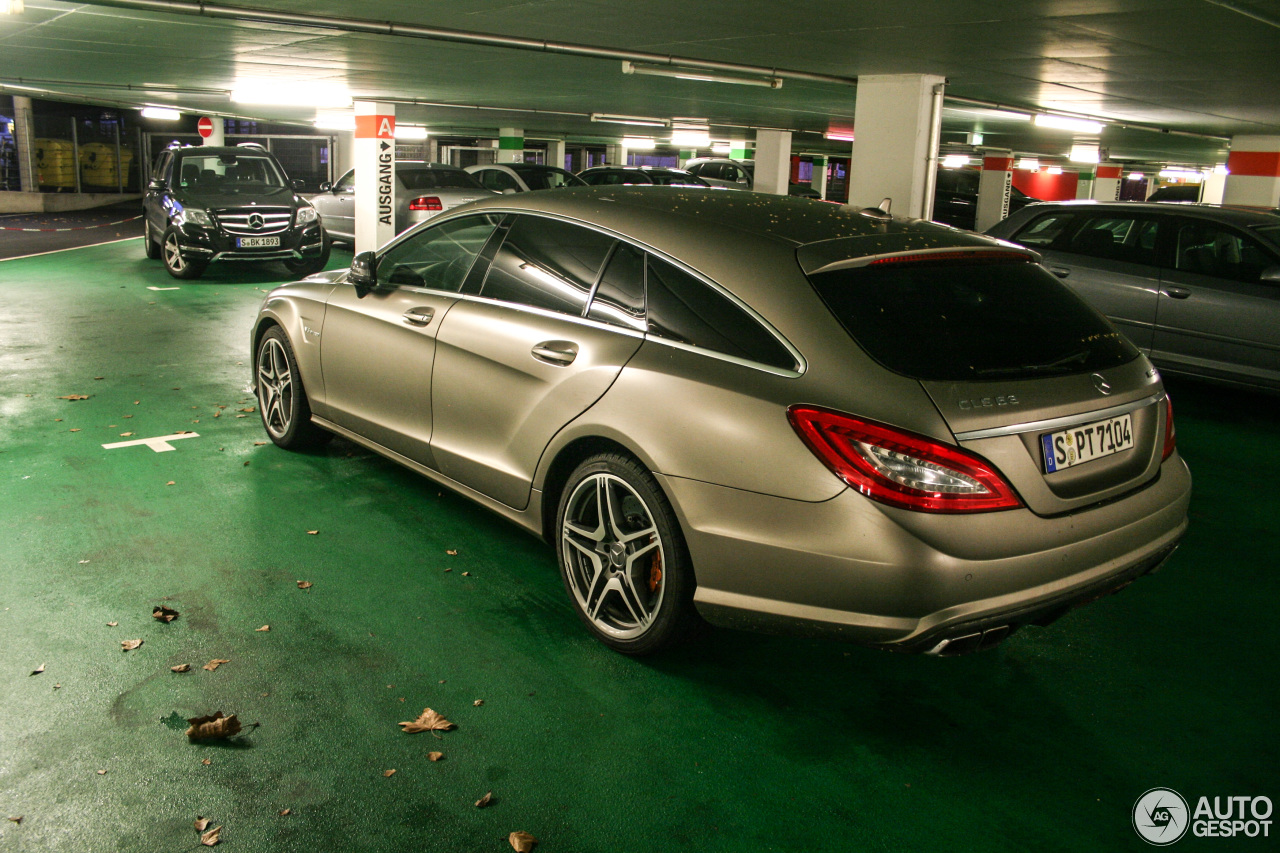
(1106,182)
(1253,171)
(995,184)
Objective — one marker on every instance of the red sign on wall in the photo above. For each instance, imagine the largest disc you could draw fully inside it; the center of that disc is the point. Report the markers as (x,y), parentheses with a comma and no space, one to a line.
(205,126)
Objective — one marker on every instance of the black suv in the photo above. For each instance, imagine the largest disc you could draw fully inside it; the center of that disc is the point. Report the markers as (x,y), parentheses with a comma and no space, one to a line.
(207,204)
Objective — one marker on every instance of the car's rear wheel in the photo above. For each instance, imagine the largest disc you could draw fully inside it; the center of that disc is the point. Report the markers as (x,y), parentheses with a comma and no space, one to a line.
(622,557)
(149,241)
(178,266)
(282,400)
(309,266)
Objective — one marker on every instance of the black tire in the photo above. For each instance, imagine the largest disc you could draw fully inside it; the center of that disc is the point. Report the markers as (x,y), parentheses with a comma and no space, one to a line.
(628,576)
(178,266)
(149,241)
(304,267)
(282,400)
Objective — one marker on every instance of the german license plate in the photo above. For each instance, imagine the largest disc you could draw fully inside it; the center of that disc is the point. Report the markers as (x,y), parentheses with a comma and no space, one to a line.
(257,242)
(1087,442)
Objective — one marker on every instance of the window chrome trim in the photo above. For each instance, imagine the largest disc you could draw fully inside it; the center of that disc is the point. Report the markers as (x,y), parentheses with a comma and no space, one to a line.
(1055,424)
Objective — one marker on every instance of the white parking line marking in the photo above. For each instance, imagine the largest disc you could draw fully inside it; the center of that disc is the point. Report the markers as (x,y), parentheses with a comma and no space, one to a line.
(159,444)
(153,287)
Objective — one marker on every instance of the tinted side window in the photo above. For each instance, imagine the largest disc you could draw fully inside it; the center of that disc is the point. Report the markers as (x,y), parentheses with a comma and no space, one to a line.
(1043,230)
(547,263)
(1116,238)
(619,298)
(437,257)
(346,184)
(1216,251)
(496,179)
(682,308)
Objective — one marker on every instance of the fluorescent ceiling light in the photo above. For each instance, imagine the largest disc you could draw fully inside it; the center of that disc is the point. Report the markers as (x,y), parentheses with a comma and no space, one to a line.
(293,94)
(839,135)
(1220,169)
(690,139)
(335,121)
(11,7)
(955,161)
(721,148)
(1189,175)
(1064,123)
(161,113)
(1055,170)
(1084,154)
(1135,176)
(1029,163)
(698,74)
(638,143)
(638,121)
(410,131)
(1006,115)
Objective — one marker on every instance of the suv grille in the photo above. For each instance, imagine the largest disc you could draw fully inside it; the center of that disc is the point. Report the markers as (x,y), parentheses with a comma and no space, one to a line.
(273,220)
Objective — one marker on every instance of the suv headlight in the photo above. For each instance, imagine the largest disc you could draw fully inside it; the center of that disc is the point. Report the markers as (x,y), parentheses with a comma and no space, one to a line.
(307,214)
(193,215)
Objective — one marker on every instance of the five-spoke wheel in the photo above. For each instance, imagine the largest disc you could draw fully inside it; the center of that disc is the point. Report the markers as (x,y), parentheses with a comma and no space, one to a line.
(174,262)
(282,400)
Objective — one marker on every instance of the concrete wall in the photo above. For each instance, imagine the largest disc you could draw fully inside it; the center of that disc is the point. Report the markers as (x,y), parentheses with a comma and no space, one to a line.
(19,202)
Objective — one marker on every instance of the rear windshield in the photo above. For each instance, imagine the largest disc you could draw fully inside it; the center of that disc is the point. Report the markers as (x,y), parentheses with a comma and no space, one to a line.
(437,179)
(970,320)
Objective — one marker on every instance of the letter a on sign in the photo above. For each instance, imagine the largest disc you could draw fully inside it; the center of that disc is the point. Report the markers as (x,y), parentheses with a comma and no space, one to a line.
(386,127)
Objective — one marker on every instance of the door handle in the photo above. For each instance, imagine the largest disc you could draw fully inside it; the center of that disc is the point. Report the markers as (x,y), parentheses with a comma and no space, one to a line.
(560,353)
(419,316)
(1177,292)
(1060,272)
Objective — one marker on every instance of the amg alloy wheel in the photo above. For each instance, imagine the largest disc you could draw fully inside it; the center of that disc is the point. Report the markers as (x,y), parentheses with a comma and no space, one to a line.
(282,400)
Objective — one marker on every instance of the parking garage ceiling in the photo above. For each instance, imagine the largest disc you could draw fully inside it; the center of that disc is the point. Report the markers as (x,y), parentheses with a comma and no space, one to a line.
(1185,75)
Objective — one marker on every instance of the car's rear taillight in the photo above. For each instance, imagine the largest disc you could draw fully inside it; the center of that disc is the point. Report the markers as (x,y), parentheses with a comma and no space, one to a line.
(901,468)
(1170,434)
(426,202)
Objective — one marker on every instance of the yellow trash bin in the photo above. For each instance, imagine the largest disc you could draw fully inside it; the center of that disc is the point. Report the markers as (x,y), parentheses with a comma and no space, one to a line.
(55,164)
(99,168)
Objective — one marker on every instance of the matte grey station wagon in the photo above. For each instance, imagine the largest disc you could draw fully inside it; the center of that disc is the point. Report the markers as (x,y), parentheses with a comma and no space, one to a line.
(769,411)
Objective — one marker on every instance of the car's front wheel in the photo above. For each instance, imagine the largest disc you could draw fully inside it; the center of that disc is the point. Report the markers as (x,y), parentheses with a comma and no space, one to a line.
(149,241)
(178,266)
(282,400)
(622,558)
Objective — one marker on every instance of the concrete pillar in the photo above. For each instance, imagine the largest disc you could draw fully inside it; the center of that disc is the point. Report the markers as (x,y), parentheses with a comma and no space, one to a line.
(896,119)
(615,155)
(375,158)
(1084,184)
(1106,183)
(343,154)
(555,153)
(685,155)
(739,150)
(773,161)
(510,145)
(995,184)
(1254,171)
(219,135)
(820,176)
(1215,185)
(24,135)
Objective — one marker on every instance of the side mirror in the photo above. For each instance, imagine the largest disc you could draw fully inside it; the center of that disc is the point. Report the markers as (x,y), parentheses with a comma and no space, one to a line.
(364,272)
(1270,274)
(327,186)
(157,184)
(510,191)
(297,185)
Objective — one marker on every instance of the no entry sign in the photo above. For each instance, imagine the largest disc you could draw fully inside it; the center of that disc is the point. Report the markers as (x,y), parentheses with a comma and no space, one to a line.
(205,126)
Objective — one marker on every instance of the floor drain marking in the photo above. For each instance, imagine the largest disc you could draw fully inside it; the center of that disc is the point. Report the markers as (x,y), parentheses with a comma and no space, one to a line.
(159,444)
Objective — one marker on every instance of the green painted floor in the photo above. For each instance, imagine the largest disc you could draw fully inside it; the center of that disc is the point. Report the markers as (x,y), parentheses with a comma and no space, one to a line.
(739,742)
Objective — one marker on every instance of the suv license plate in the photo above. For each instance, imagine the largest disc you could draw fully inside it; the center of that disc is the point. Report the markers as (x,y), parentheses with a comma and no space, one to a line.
(257,242)
(1086,443)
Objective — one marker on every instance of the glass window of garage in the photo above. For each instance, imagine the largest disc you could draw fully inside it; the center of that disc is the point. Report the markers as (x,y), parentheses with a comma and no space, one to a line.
(681,307)
(1114,237)
(438,257)
(1214,250)
(547,263)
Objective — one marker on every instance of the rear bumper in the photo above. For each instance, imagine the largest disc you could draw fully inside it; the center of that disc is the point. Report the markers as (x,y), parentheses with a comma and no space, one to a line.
(848,568)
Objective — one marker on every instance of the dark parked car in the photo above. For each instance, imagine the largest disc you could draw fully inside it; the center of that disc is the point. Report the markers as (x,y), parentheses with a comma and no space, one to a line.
(955,200)
(774,412)
(611,176)
(1196,287)
(207,204)
(1177,192)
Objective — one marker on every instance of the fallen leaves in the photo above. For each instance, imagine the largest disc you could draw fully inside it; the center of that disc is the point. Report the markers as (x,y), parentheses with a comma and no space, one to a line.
(478,703)
(485,800)
(213,726)
(452,552)
(428,721)
(182,667)
(263,628)
(17,819)
(207,762)
(215,663)
(210,838)
(522,842)
(313,532)
(387,774)
(164,614)
(435,756)
(285,812)
(171,483)
(112,624)
(129,645)
(37,670)
(125,434)
(74,397)
(304,584)
(202,823)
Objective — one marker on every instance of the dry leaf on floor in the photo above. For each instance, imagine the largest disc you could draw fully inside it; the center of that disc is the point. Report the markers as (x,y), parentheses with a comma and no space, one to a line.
(112,624)
(17,819)
(37,670)
(202,823)
(428,721)
(129,645)
(466,574)
(304,584)
(263,628)
(250,410)
(182,667)
(389,773)
(102,773)
(485,800)
(164,614)
(215,663)
(215,726)
(210,838)
(125,434)
(284,812)
(435,756)
(170,483)
(218,414)
(313,532)
(76,429)
(74,397)
(452,553)
(207,762)
(246,463)
(259,444)
(522,842)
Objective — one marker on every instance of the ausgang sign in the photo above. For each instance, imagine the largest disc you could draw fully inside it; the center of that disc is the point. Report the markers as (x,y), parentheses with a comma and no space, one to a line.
(375,160)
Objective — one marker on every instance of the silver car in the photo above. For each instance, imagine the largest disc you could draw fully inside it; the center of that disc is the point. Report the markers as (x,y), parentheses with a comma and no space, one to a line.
(423,190)
(1195,287)
(523,177)
(770,411)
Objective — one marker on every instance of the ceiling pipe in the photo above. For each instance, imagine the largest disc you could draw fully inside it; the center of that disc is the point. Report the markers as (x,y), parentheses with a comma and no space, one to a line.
(1124,125)
(391,28)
